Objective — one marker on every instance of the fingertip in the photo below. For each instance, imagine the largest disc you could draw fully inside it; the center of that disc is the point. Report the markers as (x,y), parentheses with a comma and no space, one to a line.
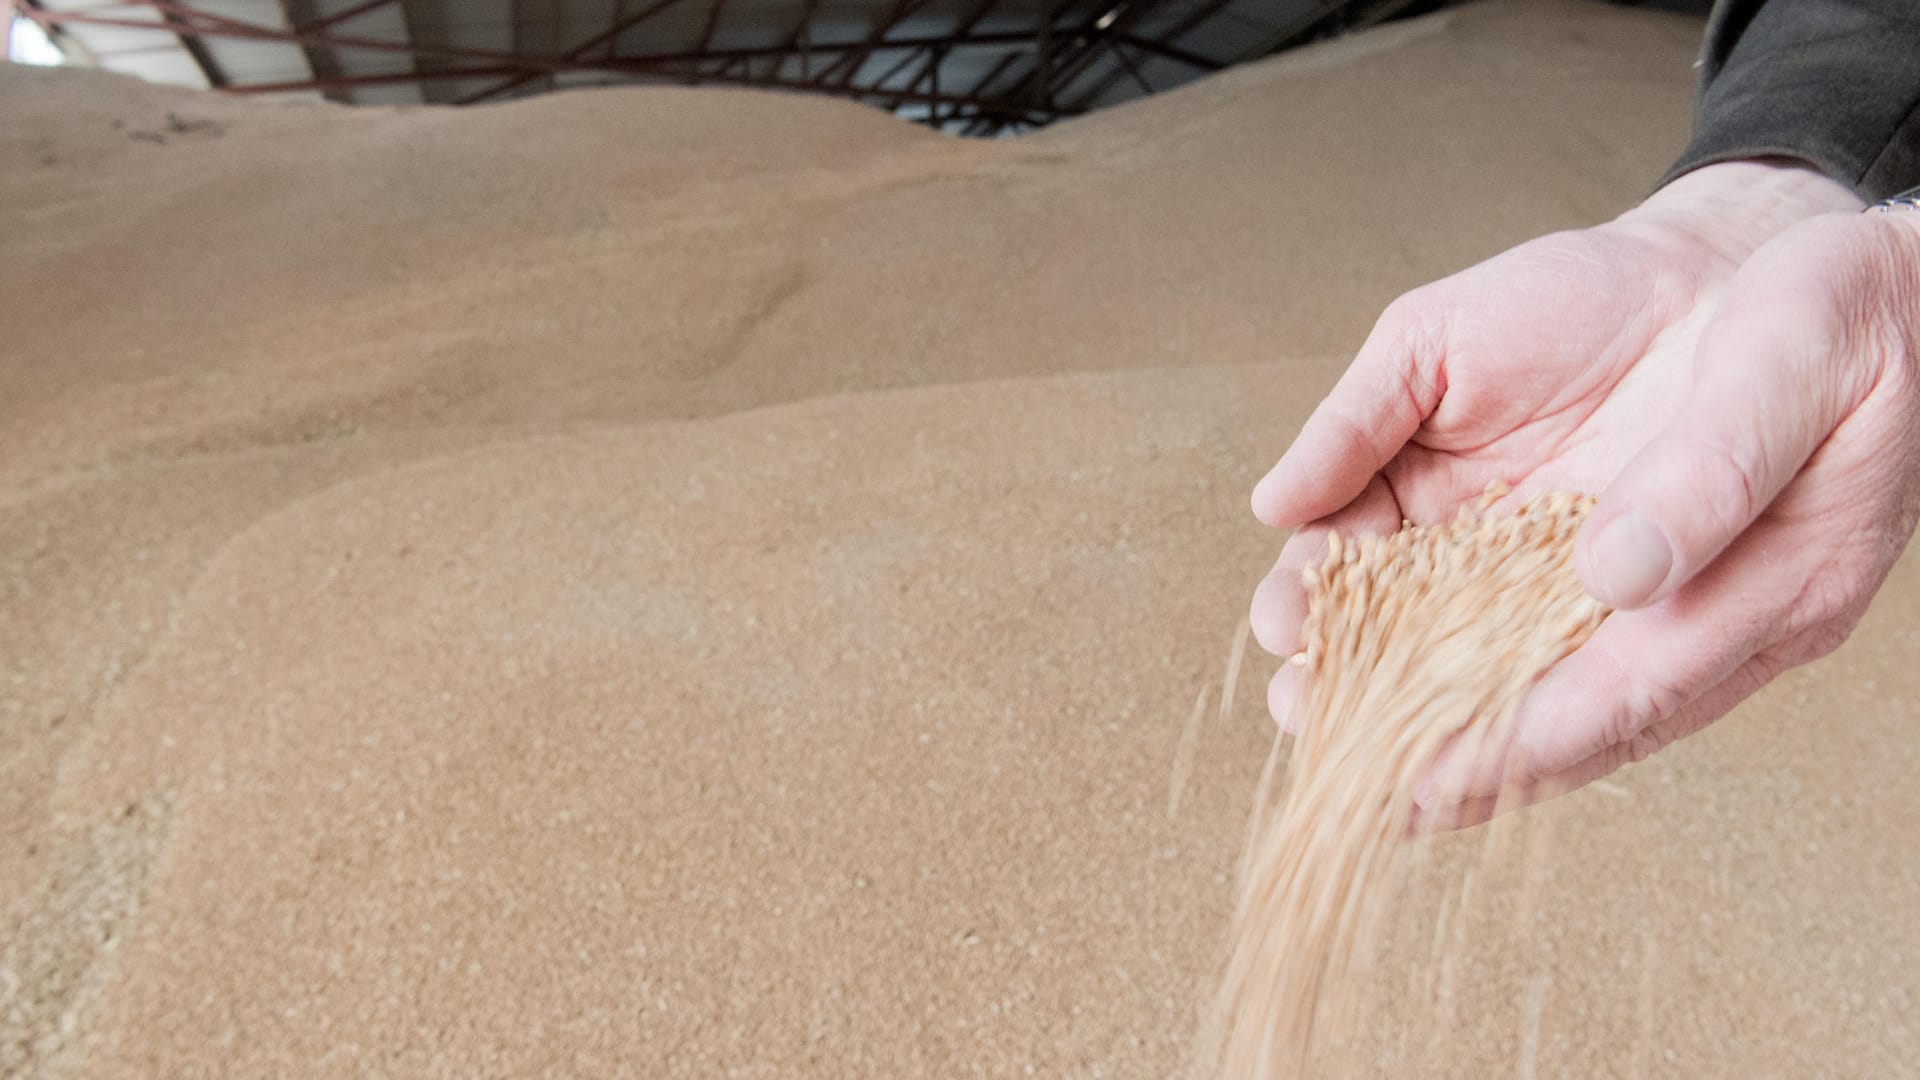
(1264,503)
(1327,467)
(1272,500)
(1283,698)
(1279,606)
(1280,600)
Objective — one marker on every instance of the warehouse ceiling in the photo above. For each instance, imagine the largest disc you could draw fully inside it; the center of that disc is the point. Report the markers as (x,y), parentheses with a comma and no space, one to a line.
(977,67)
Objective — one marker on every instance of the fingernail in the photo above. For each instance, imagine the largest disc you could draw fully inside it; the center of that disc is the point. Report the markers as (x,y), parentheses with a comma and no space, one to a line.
(1628,560)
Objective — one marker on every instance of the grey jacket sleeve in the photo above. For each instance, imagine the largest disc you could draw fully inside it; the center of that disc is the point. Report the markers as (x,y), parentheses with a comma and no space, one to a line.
(1834,83)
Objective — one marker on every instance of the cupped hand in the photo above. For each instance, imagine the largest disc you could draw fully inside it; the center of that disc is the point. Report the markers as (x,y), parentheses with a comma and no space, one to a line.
(1741,389)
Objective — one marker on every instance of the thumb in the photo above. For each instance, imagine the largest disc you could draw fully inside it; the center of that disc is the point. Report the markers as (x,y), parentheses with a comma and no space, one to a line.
(1392,386)
(1767,393)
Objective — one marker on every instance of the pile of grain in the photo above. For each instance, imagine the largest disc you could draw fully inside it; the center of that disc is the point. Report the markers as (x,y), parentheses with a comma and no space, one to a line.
(675,582)
(1415,642)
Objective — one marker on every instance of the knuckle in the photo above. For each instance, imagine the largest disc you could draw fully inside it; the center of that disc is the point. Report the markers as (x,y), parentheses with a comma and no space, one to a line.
(1646,703)
(1898,352)
(1411,331)
(1825,611)
(1412,325)
(1764,667)
(1834,304)
(1360,436)
(1407,310)
(1718,484)
(1647,743)
(1824,638)
(1709,494)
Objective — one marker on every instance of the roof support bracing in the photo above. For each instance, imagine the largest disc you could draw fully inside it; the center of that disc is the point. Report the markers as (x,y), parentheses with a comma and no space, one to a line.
(393,78)
(1157,48)
(719,76)
(354,12)
(904,62)
(713,23)
(1294,31)
(1191,22)
(202,56)
(987,80)
(1060,57)
(1056,68)
(1320,20)
(1042,55)
(983,105)
(1120,53)
(214,26)
(960,30)
(1119,21)
(659,64)
(516,28)
(1362,15)
(419,61)
(993,73)
(782,52)
(609,37)
(298,13)
(613,22)
(852,62)
(802,38)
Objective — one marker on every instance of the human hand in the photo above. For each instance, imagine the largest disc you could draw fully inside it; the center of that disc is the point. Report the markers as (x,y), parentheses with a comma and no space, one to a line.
(1630,351)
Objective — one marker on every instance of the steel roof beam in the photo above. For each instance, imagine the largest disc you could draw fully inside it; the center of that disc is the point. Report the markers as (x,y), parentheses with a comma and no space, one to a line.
(515,69)
(319,61)
(961,29)
(1371,15)
(653,63)
(1295,31)
(608,37)
(713,23)
(801,36)
(1042,55)
(899,13)
(1167,40)
(905,61)
(784,51)
(986,80)
(1119,53)
(1096,41)
(622,68)
(1184,56)
(409,25)
(197,49)
(1038,83)
(516,18)
(393,78)
(316,25)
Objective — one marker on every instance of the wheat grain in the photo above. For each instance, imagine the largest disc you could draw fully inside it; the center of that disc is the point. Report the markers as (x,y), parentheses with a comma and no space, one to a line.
(1413,642)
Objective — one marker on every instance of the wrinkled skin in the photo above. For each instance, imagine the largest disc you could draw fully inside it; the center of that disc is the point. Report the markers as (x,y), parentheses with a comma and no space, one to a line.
(1734,366)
